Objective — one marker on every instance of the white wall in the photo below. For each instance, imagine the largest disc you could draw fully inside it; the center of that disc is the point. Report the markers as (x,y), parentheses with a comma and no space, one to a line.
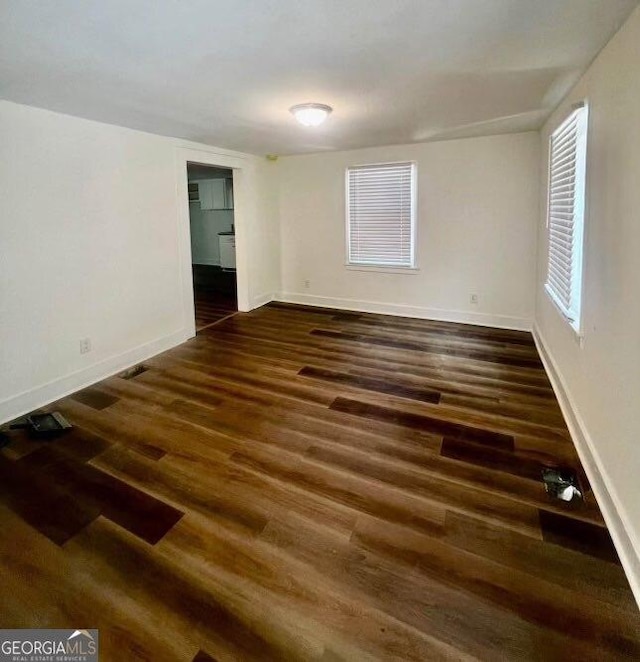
(264,248)
(91,246)
(599,381)
(477,215)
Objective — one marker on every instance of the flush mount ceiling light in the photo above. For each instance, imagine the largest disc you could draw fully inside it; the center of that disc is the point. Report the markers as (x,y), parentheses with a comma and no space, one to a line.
(311,114)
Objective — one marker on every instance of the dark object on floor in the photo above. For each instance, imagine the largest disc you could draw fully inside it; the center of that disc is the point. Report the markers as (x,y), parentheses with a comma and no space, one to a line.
(43,425)
(133,372)
(561,484)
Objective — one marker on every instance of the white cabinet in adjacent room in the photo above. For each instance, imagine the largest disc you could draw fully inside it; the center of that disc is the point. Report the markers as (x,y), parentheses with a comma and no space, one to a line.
(227,250)
(205,194)
(215,194)
(219,193)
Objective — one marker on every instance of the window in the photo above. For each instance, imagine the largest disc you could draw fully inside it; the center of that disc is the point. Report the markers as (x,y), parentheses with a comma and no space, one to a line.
(381,215)
(565,216)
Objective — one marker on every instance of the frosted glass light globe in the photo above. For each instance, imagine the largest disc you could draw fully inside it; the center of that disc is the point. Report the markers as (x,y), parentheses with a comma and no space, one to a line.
(310,114)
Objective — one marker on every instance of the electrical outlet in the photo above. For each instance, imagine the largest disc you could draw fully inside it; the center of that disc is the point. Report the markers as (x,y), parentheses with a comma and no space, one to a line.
(85,345)
(474,298)
(307,284)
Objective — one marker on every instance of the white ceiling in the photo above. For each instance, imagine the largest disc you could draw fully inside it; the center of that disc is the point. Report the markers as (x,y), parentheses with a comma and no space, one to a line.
(225,72)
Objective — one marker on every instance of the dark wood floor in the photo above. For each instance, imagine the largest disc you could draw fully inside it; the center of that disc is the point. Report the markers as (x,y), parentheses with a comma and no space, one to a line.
(211,307)
(299,484)
(214,293)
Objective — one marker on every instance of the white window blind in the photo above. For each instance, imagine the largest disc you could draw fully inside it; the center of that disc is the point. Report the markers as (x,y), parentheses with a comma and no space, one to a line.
(565,219)
(381,214)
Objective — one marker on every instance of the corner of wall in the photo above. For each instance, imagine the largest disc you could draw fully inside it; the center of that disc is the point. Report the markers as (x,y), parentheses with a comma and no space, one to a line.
(262,299)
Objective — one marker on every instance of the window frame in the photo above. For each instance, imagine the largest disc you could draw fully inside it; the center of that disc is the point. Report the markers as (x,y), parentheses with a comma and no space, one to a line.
(379,266)
(573,315)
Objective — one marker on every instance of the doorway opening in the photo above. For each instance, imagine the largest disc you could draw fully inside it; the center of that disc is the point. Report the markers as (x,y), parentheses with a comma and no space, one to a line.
(213,243)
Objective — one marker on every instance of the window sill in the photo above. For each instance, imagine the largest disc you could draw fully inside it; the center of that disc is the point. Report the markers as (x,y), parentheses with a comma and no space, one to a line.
(407,271)
(574,325)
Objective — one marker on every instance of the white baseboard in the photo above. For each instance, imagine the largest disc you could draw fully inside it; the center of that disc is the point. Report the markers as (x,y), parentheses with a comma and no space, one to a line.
(40,396)
(627,545)
(402,310)
(261,299)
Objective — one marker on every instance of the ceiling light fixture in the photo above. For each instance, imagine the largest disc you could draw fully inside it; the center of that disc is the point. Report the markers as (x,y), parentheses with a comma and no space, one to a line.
(311,114)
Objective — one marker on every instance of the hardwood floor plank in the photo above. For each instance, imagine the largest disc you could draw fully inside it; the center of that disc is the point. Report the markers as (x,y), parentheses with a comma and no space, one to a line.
(297,433)
(295,592)
(164,583)
(267,492)
(474,627)
(479,417)
(94,397)
(545,604)
(150,451)
(49,509)
(352,491)
(384,341)
(136,511)
(435,377)
(436,338)
(212,306)
(203,495)
(541,415)
(45,585)
(443,329)
(430,424)
(582,536)
(370,384)
(246,336)
(604,580)
(493,458)
(444,494)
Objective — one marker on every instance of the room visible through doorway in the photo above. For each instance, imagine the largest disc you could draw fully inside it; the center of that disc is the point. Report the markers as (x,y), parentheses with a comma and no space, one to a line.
(213,248)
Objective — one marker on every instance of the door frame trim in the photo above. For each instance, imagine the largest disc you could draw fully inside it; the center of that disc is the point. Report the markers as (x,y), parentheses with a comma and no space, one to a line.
(239,166)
